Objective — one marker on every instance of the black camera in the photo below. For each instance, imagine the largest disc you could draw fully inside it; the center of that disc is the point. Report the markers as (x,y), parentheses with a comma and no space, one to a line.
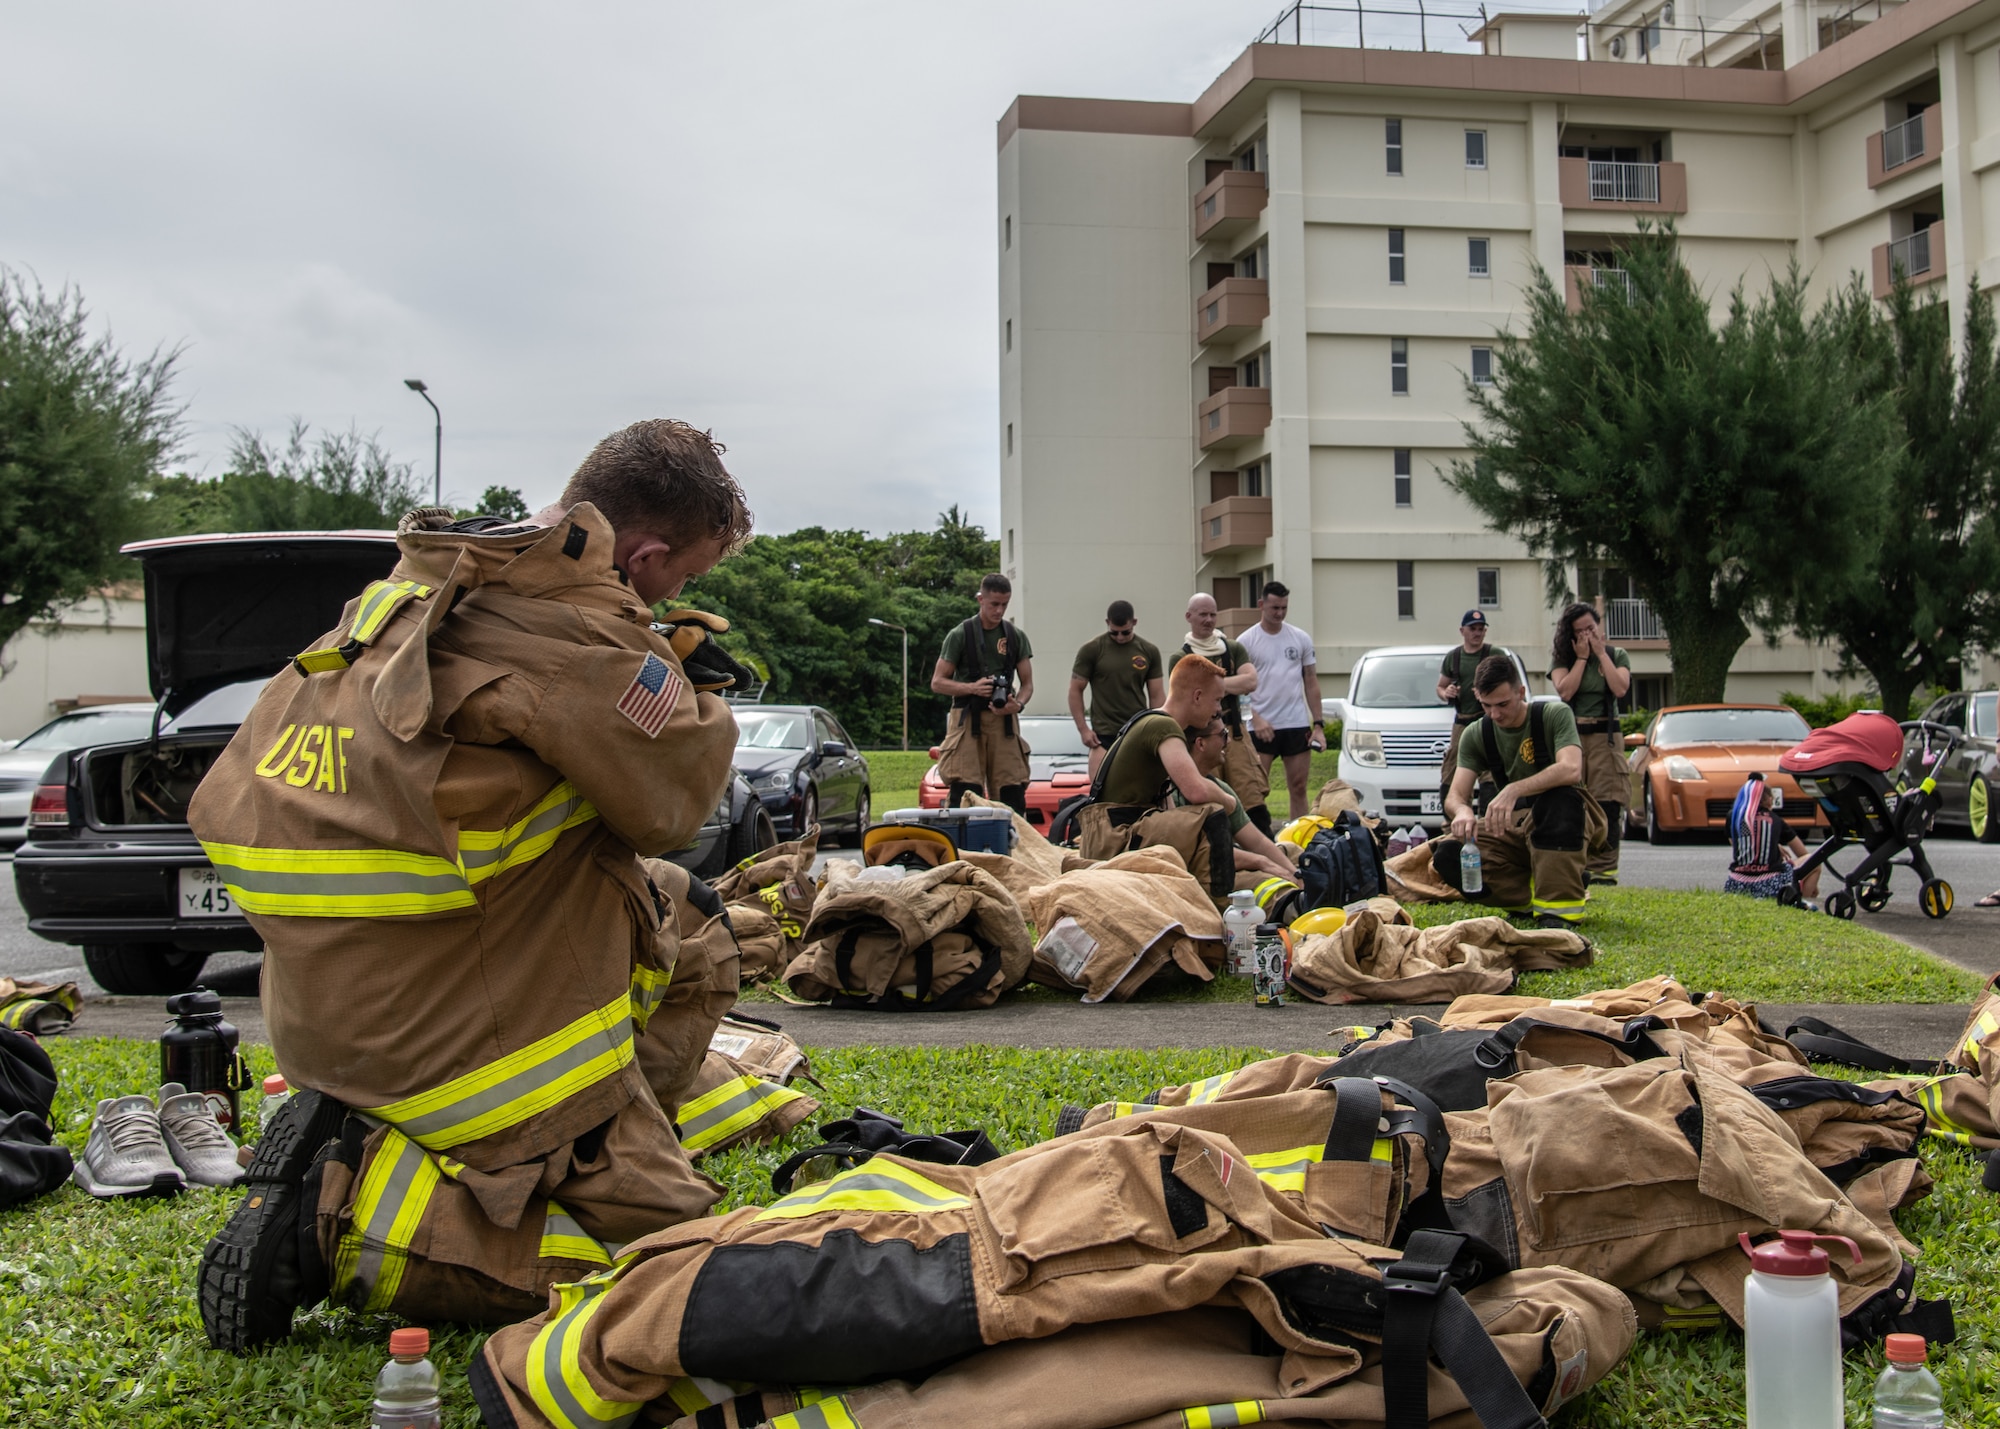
(1003,690)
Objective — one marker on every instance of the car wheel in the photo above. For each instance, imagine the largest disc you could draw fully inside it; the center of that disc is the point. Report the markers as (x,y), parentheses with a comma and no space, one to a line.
(861,819)
(1980,810)
(808,814)
(752,834)
(1655,835)
(143,969)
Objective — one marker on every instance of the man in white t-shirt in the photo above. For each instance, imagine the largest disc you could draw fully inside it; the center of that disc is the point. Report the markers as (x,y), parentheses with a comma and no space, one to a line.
(1284,708)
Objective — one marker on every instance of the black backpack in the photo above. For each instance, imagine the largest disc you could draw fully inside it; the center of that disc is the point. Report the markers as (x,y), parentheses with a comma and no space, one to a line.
(1341,865)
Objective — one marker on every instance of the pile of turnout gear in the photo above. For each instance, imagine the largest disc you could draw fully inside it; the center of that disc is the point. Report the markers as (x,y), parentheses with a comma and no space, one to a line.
(1465,1219)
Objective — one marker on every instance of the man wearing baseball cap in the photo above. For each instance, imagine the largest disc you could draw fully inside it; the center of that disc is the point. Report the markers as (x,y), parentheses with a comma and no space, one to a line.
(1455,685)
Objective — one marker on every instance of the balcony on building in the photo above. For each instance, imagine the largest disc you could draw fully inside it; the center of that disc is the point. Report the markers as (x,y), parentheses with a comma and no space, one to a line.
(1593,268)
(1619,171)
(1630,621)
(1233,517)
(1232,615)
(1232,416)
(1912,135)
(1229,202)
(1231,308)
(1915,253)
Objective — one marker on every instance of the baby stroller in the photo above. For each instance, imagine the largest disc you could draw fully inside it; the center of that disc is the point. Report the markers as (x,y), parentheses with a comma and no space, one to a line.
(1849,768)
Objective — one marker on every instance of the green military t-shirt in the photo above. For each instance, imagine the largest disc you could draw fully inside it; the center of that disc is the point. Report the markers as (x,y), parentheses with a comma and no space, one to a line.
(1592,699)
(1459,666)
(1137,774)
(1557,723)
(989,648)
(1237,818)
(1117,676)
(1235,657)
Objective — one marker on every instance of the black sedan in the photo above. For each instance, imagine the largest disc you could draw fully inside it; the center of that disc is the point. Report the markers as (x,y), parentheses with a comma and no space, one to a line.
(110,863)
(1968,782)
(804,767)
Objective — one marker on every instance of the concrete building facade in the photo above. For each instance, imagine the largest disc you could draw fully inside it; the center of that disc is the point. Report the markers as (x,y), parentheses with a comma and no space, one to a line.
(93,652)
(1235,333)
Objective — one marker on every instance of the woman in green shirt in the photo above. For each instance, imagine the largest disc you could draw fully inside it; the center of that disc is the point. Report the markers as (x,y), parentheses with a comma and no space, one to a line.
(1591,676)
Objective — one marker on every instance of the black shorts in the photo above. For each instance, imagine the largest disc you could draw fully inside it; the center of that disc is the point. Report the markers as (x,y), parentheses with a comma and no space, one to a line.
(1284,742)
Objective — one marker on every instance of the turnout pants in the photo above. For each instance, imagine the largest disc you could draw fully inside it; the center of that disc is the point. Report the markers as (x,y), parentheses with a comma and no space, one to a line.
(984,751)
(1535,865)
(1608,779)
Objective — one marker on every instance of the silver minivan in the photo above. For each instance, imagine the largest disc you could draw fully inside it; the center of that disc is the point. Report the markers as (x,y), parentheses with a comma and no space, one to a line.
(1396,733)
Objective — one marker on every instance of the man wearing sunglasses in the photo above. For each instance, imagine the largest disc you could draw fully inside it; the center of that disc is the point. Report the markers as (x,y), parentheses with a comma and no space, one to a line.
(1124,675)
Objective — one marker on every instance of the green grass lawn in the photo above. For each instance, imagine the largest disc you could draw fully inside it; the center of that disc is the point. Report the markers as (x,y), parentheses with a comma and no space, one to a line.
(98,1325)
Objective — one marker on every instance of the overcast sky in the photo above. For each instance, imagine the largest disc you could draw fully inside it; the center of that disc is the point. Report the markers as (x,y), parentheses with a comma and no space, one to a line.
(776,220)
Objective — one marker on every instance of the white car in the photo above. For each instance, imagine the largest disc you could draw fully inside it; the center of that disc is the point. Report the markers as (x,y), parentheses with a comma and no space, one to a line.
(22,763)
(1396,733)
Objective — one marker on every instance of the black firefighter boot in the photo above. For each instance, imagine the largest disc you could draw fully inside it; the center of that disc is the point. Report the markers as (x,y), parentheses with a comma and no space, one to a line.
(265,1262)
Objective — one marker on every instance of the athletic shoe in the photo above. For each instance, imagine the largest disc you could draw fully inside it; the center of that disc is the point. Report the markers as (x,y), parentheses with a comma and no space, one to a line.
(1551,920)
(1607,880)
(127,1153)
(265,1261)
(200,1147)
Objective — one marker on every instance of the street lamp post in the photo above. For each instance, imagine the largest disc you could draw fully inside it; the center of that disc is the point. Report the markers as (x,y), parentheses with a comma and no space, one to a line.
(891,625)
(416,385)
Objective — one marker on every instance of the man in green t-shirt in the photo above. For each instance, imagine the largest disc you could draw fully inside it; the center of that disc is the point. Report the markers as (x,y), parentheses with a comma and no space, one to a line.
(1592,676)
(1532,837)
(1246,776)
(1152,761)
(985,669)
(1261,866)
(1454,686)
(1123,674)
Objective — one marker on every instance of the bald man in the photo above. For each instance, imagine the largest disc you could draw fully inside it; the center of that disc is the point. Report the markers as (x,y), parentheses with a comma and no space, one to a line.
(1239,677)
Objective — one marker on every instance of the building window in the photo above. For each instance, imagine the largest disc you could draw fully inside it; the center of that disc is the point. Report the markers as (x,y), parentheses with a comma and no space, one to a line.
(1395,255)
(1007,231)
(1010,439)
(1482,366)
(1392,134)
(1010,334)
(1254,371)
(1475,148)
(1402,476)
(1478,263)
(1251,264)
(1253,585)
(1399,365)
(1489,586)
(1406,590)
(1251,480)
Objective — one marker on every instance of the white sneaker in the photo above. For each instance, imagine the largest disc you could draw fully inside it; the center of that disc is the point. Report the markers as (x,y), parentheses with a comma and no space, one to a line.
(201,1148)
(127,1152)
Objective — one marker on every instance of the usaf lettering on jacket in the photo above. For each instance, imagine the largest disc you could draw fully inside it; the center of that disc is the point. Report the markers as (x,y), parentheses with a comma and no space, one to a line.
(316,756)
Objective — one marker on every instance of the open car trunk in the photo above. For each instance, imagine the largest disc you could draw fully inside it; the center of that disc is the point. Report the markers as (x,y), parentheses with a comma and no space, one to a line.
(148,785)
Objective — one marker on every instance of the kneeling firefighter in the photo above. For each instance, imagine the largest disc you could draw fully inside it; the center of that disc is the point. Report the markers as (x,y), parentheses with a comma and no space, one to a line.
(491,999)
(1539,828)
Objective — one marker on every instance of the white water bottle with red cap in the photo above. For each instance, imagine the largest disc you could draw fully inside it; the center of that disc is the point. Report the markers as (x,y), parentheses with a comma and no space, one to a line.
(1791,1332)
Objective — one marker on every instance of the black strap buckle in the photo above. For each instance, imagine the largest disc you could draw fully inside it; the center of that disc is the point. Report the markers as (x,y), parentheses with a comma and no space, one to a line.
(1406,1277)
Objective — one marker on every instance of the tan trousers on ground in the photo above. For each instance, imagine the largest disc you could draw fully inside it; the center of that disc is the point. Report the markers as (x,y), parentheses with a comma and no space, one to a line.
(992,758)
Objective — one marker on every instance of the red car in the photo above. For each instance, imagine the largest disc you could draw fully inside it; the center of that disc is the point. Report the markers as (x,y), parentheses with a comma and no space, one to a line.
(1058,768)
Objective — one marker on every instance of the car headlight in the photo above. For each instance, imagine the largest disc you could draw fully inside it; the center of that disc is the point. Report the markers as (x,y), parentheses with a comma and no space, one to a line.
(1364,747)
(1682,770)
(766,783)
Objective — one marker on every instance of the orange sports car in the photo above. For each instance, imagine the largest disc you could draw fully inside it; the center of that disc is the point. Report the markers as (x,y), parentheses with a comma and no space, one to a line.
(1691,761)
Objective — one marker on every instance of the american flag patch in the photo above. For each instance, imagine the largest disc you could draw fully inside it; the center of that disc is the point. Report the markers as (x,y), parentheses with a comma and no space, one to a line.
(654,692)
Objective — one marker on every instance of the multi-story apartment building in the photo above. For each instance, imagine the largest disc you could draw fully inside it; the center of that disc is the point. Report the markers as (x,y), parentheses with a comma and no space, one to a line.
(1235,333)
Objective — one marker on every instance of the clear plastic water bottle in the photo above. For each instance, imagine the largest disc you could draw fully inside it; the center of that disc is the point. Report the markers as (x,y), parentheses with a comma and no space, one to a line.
(409,1394)
(1471,872)
(1908,1396)
(1239,925)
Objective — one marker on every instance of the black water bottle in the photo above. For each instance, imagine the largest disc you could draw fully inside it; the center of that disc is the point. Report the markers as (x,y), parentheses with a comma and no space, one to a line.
(198,1050)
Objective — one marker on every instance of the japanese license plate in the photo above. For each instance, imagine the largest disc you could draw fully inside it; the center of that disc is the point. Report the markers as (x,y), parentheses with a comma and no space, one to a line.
(1777,798)
(203,895)
(1431,803)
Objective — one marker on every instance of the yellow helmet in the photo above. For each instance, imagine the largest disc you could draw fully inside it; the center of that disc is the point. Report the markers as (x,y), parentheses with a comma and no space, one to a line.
(1320,921)
(1300,831)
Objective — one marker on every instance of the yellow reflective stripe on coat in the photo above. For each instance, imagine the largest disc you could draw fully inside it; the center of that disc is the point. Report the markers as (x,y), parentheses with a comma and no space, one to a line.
(1286,1170)
(1702,1317)
(827,1414)
(1930,1096)
(556,1381)
(485,852)
(16,1014)
(394,1192)
(339,882)
(649,986)
(738,1103)
(1208,1088)
(874,1185)
(1272,889)
(1220,1416)
(507,1092)
(379,601)
(564,1239)
(1983,1026)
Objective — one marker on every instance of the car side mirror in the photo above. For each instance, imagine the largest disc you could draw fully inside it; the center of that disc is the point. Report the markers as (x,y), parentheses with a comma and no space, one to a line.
(1334,710)
(1955,731)
(1635,741)
(833,749)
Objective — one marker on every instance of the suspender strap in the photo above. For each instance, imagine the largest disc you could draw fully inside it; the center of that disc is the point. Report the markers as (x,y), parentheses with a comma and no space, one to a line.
(1498,1050)
(1824,1042)
(1491,743)
(1357,1119)
(1423,1313)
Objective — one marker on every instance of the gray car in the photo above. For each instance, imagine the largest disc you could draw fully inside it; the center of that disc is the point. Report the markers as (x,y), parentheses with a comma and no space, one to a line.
(22,763)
